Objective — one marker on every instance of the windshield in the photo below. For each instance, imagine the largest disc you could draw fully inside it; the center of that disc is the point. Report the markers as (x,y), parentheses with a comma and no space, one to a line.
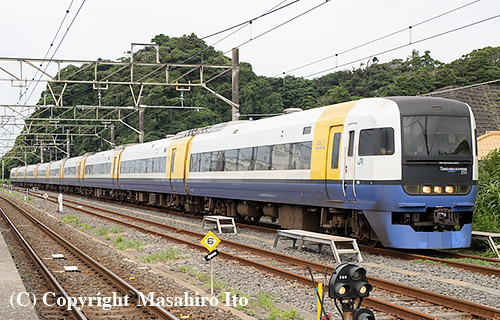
(436,135)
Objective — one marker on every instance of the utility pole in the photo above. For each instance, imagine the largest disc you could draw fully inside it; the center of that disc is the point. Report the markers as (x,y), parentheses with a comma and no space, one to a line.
(67,143)
(141,120)
(112,135)
(235,110)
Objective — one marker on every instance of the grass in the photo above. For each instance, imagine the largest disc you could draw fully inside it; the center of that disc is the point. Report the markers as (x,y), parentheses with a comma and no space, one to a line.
(464,260)
(85,226)
(157,257)
(71,218)
(262,300)
(201,276)
(104,231)
(123,244)
(265,300)
(477,262)
(487,207)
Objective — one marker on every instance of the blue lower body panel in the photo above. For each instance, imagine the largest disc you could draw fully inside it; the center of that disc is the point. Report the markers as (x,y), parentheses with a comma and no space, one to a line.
(300,193)
(376,201)
(404,237)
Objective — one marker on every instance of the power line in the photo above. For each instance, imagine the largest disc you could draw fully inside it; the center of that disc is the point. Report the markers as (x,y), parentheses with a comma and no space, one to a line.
(48,50)
(407,44)
(58,46)
(241,26)
(280,25)
(251,20)
(386,51)
(381,38)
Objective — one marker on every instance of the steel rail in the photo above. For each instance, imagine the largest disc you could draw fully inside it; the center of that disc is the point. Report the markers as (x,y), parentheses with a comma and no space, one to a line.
(77,313)
(157,309)
(377,304)
(413,256)
(435,298)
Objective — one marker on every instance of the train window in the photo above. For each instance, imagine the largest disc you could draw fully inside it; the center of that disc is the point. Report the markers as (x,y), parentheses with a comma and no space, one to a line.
(217,163)
(163,164)
(263,158)
(231,158)
(245,159)
(123,167)
(205,159)
(375,142)
(301,155)
(194,163)
(173,160)
(281,157)
(437,135)
(335,150)
(306,130)
(350,151)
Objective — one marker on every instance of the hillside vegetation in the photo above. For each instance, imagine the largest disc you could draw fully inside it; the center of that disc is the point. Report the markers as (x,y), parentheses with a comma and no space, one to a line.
(416,74)
(258,95)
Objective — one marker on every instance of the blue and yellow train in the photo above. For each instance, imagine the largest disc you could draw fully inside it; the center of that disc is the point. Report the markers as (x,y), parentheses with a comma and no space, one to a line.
(399,170)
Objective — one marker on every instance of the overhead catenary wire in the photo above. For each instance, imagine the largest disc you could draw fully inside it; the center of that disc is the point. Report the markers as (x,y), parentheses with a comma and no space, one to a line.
(405,45)
(251,20)
(379,39)
(57,48)
(48,49)
(241,26)
(385,51)
(280,25)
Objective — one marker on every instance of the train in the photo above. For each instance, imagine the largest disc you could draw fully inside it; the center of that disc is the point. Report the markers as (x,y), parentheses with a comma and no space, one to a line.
(398,171)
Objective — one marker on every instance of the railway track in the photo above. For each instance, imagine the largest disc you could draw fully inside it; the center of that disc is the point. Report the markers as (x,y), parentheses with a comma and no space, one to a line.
(430,255)
(88,278)
(378,304)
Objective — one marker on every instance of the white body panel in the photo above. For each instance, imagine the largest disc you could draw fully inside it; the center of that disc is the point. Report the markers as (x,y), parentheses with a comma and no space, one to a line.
(368,114)
(271,131)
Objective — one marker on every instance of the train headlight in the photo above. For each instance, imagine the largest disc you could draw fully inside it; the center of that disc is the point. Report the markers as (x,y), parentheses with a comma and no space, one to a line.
(449,189)
(438,189)
(426,189)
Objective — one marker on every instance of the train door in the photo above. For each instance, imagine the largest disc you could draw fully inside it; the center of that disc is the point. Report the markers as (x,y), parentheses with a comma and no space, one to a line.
(333,184)
(349,174)
(80,171)
(61,172)
(171,169)
(115,168)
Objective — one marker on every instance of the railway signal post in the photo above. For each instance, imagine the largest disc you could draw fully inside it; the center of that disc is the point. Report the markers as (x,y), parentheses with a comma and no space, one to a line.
(348,283)
(210,241)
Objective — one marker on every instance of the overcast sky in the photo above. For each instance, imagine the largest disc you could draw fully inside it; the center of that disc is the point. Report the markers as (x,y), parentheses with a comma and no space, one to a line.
(105,29)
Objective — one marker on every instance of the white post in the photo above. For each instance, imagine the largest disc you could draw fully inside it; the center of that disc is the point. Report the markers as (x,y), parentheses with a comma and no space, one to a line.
(60,203)
(211,279)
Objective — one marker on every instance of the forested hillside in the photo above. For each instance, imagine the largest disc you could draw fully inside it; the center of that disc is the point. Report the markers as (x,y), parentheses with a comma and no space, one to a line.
(418,73)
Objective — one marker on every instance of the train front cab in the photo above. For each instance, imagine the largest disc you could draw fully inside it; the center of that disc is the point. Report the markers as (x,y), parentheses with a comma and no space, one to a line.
(432,205)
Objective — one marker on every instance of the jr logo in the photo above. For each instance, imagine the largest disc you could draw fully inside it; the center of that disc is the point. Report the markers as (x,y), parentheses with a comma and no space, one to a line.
(360,162)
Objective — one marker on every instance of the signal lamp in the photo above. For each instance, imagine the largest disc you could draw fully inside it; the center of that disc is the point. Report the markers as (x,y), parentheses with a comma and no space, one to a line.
(449,189)
(363,314)
(426,189)
(347,277)
(438,189)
